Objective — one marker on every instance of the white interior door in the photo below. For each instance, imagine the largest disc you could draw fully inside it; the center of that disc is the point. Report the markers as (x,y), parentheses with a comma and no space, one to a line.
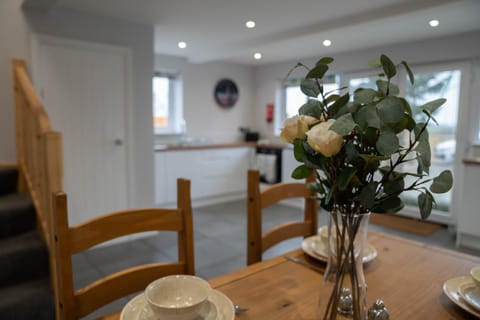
(84,88)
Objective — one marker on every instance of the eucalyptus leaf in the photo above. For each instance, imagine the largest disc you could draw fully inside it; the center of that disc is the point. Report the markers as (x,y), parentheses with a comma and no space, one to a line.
(371,135)
(387,142)
(388,66)
(443,183)
(298,151)
(409,72)
(395,185)
(332,98)
(367,195)
(344,125)
(391,204)
(423,146)
(317,72)
(425,203)
(364,96)
(387,89)
(390,109)
(310,88)
(368,117)
(432,106)
(406,107)
(342,101)
(312,108)
(301,172)
(325,60)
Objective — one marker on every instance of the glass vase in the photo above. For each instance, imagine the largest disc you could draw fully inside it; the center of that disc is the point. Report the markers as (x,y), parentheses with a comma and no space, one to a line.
(344,279)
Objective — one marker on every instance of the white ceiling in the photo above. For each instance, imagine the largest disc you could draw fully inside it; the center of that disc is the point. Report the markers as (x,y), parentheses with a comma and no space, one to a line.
(286,29)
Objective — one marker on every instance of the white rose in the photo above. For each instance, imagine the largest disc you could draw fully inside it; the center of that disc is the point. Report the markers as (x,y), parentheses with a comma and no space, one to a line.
(323,140)
(295,127)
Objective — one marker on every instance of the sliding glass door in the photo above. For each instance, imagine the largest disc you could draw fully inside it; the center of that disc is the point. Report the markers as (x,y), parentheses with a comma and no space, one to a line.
(431,82)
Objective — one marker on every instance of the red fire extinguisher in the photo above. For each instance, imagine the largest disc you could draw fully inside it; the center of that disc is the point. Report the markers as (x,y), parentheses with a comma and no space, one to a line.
(269,117)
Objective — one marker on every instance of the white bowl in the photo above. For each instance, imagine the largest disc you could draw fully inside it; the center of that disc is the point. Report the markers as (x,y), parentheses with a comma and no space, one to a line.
(177,297)
(475,273)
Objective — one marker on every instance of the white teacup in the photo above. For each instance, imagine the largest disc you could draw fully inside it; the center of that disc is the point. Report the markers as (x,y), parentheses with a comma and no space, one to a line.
(475,273)
(177,297)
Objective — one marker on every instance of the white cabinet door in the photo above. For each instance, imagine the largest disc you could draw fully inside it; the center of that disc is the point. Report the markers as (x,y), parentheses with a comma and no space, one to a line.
(213,172)
(288,165)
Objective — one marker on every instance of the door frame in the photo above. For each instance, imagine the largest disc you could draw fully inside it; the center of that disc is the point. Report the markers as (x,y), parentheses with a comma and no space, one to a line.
(37,40)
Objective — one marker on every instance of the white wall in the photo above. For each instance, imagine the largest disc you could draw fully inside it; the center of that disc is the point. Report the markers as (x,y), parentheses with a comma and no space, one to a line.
(15,31)
(204,118)
(13,44)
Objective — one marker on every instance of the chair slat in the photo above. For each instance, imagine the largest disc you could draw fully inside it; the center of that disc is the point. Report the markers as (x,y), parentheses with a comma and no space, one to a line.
(258,242)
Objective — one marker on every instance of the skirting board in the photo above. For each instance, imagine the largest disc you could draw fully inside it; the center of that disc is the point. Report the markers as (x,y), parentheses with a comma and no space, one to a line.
(468,241)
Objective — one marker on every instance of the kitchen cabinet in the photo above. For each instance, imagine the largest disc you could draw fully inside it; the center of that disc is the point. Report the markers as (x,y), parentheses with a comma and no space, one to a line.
(214,172)
(468,224)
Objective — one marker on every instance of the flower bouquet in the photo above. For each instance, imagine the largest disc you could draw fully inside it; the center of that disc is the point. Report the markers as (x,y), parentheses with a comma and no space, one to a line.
(357,147)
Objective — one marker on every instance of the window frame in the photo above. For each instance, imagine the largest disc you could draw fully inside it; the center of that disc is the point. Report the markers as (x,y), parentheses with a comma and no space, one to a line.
(175,105)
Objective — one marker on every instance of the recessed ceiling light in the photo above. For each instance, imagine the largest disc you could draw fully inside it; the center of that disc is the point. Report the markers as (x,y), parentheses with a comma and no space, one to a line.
(250,24)
(327,43)
(257,56)
(434,23)
(182,45)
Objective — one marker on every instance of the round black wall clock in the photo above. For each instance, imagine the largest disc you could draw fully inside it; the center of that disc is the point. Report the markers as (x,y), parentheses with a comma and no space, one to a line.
(226,93)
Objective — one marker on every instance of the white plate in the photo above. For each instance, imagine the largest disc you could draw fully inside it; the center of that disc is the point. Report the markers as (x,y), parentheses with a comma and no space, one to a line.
(451,289)
(316,248)
(219,307)
(471,294)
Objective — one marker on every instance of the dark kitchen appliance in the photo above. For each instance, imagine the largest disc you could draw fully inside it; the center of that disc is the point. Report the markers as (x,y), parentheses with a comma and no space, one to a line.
(249,136)
(269,163)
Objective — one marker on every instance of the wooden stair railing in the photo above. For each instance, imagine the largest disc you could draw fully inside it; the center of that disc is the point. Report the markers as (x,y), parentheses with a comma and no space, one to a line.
(39,150)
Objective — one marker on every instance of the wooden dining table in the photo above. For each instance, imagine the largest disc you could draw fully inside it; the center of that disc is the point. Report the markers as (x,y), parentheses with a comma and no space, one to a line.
(407,275)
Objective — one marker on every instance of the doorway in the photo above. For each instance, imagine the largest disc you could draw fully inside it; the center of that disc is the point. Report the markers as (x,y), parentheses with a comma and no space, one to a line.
(85,90)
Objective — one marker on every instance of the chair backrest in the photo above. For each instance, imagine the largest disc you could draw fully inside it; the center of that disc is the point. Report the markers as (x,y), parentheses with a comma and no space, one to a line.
(75,303)
(258,199)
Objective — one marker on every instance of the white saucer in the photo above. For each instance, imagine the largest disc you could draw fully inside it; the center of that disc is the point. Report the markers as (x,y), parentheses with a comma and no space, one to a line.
(219,307)
(471,294)
(451,289)
(316,248)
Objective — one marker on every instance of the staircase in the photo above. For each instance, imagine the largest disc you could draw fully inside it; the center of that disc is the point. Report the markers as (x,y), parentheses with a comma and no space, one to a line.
(25,289)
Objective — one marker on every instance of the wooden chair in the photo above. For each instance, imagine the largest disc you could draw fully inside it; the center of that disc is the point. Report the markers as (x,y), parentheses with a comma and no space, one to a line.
(257,200)
(74,304)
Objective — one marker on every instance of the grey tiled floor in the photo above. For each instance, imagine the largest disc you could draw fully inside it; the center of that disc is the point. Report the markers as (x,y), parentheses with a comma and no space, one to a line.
(220,245)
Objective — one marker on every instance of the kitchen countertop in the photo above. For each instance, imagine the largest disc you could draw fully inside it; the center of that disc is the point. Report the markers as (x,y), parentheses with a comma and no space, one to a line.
(199,146)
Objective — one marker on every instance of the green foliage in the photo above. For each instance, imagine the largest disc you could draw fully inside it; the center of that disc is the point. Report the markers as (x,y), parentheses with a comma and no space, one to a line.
(365,175)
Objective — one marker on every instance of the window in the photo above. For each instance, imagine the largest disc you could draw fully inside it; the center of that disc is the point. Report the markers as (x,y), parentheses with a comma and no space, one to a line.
(167,111)
(293,98)
(430,86)
(430,83)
